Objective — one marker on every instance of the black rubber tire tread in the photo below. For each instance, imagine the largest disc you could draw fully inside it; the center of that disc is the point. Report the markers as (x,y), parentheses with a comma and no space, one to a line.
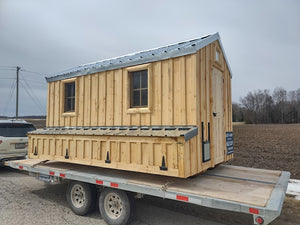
(90,198)
(127,207)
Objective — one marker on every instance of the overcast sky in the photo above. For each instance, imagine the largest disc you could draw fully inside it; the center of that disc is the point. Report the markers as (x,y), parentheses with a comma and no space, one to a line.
(261,40)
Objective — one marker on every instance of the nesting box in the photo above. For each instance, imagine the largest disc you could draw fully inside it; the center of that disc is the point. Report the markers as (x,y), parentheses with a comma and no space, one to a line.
(163,111)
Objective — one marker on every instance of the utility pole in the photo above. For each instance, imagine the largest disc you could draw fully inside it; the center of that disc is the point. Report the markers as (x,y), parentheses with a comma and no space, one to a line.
(17,94)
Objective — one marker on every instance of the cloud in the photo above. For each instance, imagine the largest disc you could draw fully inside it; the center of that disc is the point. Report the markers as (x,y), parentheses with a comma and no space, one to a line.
(261,38)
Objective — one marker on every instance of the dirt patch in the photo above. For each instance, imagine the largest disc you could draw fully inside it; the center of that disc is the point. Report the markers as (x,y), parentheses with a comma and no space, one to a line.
(290,214)
(272,146)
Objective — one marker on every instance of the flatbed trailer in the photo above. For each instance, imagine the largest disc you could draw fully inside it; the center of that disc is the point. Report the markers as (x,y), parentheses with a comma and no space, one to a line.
(258,192)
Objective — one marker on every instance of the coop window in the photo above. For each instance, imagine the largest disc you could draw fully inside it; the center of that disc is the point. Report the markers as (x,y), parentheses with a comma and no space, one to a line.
(139,89)
(70,97)
(217,56)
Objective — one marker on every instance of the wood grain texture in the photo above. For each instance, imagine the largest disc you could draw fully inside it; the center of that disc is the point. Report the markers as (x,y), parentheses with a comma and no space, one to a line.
(142,154)
(103,99)
(181,92)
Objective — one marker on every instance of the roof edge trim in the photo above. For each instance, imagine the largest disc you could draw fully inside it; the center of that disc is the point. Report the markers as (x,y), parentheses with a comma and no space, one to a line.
(147,56)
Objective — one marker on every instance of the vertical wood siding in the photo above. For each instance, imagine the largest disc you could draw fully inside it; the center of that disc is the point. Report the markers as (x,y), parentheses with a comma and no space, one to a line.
(101,98)
(142,154)
(181,94)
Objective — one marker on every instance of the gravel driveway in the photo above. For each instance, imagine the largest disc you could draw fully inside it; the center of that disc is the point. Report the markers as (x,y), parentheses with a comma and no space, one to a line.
(25,200)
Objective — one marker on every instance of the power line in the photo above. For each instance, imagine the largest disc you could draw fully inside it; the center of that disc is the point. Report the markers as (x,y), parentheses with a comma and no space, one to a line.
(14,67)
(33,81)
(35,100)
(33,72)
(7,69)
(24,84)
(25,81)
(12,88)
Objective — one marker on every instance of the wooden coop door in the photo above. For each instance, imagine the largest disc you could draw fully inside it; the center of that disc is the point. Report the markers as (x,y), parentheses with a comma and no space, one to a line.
(217,123)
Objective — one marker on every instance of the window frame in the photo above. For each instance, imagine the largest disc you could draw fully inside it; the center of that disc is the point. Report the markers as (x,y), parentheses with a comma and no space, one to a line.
(63,94)
(129,71)
(217,63)
(139,89)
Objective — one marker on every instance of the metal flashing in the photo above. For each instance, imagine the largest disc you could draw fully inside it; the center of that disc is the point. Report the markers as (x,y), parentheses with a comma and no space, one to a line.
(148,56)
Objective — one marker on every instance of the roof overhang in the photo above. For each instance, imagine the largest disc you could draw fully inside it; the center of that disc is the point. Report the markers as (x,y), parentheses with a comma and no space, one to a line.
(148,56)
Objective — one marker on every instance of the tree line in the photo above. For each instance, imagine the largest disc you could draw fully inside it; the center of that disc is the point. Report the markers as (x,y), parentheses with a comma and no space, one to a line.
(262,106)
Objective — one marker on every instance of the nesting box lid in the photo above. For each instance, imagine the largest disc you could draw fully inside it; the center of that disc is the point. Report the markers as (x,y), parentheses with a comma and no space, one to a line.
(144,131)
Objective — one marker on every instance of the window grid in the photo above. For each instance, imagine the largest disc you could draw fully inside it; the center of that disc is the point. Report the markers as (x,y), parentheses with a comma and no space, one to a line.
(70,97)
(139,89)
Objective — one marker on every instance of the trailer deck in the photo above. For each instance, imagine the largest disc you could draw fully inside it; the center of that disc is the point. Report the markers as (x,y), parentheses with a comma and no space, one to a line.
(254,191)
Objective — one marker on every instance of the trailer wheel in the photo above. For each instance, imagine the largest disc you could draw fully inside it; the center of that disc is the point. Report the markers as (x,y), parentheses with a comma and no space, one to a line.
(116,206)
(81,197)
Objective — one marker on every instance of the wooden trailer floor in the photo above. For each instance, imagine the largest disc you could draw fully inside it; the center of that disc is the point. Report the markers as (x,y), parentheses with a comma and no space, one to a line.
(232,183)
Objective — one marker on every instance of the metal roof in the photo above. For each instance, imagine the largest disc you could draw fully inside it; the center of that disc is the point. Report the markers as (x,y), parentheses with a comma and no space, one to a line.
(145,131)
(152,55)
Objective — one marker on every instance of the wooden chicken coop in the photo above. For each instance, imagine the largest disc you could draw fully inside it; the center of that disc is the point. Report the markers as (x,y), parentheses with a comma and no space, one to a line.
(164,111)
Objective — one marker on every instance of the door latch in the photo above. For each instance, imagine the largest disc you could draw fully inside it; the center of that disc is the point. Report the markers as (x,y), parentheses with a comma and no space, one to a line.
(214,114)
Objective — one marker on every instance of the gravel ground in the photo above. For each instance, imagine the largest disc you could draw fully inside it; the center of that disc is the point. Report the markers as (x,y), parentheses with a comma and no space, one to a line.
(27,201)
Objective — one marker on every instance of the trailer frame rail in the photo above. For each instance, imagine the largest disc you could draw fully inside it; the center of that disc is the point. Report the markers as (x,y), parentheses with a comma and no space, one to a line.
(111,179)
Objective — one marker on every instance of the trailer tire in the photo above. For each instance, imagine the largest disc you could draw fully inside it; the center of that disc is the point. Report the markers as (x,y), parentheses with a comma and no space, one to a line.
(81,197)
(116,206)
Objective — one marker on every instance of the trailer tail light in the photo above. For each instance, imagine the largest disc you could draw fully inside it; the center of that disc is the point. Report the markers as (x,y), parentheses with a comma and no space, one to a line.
(253,211)
(114,185)
(182,198)
(0,141)
(20,167)
(99,182)
(51,173)
(259,220)
(62,175)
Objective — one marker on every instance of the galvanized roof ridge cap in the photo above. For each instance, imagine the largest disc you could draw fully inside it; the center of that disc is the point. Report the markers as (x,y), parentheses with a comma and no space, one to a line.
(145,56)
(82,66)
(143,51)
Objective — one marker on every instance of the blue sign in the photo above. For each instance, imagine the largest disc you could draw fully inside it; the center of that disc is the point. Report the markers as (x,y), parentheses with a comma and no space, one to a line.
(229,142)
